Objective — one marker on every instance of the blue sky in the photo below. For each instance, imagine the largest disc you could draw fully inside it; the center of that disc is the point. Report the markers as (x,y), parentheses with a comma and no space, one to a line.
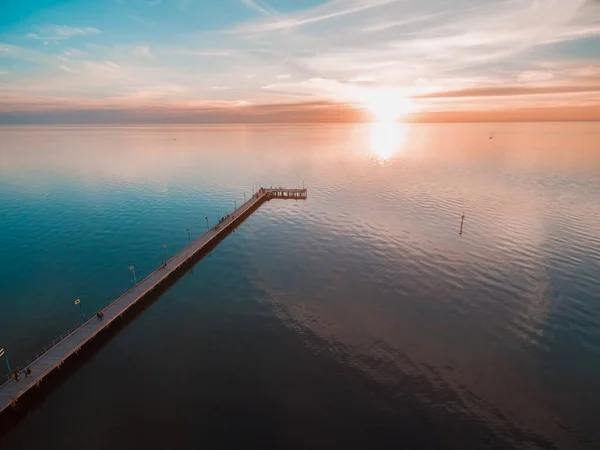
(169,58)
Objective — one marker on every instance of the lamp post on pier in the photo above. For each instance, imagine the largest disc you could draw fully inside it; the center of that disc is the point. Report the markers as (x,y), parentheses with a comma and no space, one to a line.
(6,359)
(165,253)
(78,302)
(234,205)
(134,278)
(244,196)
(207,227)
(189,235)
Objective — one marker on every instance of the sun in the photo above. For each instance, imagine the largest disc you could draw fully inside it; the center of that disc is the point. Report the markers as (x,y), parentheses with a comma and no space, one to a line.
(387,106)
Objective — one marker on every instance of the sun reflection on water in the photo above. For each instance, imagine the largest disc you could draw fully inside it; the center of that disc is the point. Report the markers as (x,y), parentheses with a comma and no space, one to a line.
(387,140)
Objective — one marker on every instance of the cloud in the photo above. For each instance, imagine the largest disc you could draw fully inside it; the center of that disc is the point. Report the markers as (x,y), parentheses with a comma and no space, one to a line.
(418,38)
(361,79)
(283,76)
(74,52)
(223,53)
(261,8)
(532,76)
(24,54)
(61,32)
(509,91)
(142,50)
(140,19)
(329,10)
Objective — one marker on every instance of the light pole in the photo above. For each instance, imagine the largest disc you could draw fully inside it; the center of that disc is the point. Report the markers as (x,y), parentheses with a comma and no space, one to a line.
(134,278)
(234,205)
(189,235)
(6,359)
(165,253)
(244,196)
(218,213)
(78,302)
(207,227)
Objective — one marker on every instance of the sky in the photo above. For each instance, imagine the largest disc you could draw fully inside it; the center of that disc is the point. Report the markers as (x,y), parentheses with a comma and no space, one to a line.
(188,61)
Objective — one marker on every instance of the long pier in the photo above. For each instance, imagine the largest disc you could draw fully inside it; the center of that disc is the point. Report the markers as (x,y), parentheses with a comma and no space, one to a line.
(74,340)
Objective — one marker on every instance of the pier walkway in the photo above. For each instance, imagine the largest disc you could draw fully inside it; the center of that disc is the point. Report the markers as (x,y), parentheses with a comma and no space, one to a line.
(73,341)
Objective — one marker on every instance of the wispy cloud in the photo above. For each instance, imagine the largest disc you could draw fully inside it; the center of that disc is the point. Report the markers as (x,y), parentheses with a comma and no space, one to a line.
(61,32)
(74,52)
(261,8)
(209,53)
(330,10)
(142,50)
(24,54)
(419,38)
(65,68)
(140,19)
(510,91)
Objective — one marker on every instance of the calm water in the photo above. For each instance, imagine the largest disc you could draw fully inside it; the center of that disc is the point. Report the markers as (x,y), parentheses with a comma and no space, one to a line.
(356,319)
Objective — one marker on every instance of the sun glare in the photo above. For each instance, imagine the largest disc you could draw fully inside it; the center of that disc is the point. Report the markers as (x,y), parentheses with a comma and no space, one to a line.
(388,106)
(387,139)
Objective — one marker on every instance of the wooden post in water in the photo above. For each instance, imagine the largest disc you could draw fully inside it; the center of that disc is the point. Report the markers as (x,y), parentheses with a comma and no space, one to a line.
(462,219)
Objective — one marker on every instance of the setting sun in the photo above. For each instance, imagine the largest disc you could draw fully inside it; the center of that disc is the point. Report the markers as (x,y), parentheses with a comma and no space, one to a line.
(388,106)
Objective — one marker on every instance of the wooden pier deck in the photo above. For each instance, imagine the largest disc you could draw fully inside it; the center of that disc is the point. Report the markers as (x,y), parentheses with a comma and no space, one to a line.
(74,340)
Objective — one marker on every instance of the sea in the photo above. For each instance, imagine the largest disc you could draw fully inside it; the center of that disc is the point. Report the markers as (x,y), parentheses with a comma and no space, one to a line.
(364,317)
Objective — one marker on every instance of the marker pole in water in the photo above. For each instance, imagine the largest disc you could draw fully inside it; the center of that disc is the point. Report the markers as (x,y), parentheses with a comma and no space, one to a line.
(134,278)
(234,205)
(6,359)
(207,227)
(189,236)
(165,253)
(462,219)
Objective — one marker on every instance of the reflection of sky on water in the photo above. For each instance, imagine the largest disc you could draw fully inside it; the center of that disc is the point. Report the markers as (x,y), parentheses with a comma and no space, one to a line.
(372,263)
